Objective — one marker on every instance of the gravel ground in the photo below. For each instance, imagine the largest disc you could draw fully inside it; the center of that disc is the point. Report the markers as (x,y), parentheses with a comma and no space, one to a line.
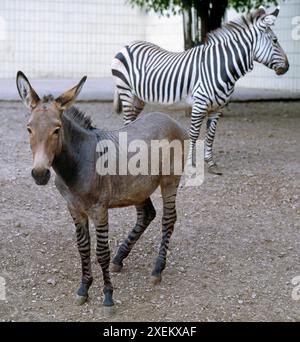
(235,248)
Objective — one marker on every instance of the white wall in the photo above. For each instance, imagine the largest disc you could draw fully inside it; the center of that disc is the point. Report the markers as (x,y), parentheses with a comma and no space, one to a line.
(165,32)
(69,38)
(65,38)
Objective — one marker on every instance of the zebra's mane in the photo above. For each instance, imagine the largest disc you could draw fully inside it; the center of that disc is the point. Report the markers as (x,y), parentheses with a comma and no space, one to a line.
(244,21)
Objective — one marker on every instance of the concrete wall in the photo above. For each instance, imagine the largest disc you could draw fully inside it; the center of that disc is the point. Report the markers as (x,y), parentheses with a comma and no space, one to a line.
(69,38)
(165,32)
(65,38)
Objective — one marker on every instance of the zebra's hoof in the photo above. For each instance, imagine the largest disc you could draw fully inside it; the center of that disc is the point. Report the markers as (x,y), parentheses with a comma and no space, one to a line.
(155,280)
(80,300)
(115,268)
(215,170)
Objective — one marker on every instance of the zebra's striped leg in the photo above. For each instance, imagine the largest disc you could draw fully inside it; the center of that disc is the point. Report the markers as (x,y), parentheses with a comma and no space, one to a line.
(131,105)
(100,218)
(127,99)
(145,214)
(198,114)
(83,241)
(138,106)
(168,191)
(209,140)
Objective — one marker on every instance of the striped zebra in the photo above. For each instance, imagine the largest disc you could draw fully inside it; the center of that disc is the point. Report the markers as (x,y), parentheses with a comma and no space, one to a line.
(145,73)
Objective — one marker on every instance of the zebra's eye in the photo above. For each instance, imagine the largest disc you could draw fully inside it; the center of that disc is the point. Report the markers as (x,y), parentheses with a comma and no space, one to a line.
(275,40)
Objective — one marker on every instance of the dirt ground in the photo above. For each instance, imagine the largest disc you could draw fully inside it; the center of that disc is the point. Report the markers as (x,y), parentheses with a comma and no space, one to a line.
(234,252)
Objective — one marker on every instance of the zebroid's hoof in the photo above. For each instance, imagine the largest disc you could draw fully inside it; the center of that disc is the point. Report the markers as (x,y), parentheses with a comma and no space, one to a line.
(80,300)
(115,268)
(155,280)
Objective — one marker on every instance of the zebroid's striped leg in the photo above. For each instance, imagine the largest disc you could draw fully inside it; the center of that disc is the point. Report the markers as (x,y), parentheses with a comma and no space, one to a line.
(100,219)
(168,191)
(211,126)
(83,242)
(145,214)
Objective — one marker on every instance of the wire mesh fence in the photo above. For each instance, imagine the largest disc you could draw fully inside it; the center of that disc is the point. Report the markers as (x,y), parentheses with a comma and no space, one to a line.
(69,38)
(65,38)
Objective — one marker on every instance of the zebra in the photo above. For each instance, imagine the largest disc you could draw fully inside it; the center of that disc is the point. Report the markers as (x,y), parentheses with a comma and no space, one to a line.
(207,73)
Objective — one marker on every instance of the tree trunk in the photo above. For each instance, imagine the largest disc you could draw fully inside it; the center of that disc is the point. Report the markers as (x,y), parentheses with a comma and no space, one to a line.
(211,13)
(217,12)
(202,8)
(196,27)
(187,28)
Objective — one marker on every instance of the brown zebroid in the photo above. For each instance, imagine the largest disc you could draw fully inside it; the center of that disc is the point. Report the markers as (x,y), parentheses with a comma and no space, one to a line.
(63,138)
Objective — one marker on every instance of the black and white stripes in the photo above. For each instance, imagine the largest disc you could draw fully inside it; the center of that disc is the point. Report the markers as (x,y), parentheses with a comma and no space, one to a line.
(145,73)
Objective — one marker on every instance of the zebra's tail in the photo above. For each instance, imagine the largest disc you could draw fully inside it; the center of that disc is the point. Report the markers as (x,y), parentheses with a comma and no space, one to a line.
(117,102)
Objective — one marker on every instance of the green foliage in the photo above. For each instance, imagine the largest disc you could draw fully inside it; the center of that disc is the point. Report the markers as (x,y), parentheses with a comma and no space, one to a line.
(165,7)
(168,7)
(247,5)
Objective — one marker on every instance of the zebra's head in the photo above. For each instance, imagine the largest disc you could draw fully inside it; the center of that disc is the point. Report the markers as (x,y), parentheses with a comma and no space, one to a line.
(268,50)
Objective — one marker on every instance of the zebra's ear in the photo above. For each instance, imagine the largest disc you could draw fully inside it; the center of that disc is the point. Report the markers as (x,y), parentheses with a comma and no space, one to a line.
(269,19)
(260,11)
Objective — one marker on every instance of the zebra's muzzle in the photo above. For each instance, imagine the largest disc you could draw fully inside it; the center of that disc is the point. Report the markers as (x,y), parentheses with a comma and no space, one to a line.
(282,69)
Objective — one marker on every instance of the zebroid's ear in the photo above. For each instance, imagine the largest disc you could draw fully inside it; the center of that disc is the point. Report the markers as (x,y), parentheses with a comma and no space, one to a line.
(66,99)
(28,95)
